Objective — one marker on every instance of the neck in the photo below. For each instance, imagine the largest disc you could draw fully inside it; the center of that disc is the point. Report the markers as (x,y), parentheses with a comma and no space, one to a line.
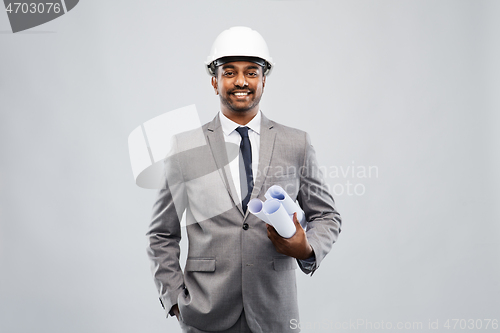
(239,117)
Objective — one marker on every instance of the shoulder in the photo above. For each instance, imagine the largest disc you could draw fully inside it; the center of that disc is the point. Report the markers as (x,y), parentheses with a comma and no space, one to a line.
(289,134)
(287,130)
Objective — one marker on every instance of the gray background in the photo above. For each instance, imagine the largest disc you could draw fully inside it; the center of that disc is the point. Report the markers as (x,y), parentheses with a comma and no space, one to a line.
(410,87)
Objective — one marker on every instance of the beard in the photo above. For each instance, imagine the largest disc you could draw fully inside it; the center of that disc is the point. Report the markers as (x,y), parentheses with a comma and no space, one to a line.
(238,106)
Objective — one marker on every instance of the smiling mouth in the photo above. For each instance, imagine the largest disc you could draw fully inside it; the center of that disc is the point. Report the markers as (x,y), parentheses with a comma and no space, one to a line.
(241,93)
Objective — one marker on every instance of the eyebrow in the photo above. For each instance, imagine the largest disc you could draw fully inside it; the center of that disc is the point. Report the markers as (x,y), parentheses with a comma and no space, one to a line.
(246,68)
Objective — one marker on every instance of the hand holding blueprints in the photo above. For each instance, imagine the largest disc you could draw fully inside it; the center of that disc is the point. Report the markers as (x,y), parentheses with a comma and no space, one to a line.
(278,211)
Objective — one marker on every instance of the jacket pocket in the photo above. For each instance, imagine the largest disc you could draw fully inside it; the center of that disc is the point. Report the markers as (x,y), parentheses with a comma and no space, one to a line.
(200,265)
(284,264)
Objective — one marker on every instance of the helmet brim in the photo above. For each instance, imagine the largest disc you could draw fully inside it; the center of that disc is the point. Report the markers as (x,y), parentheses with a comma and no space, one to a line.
(266,66)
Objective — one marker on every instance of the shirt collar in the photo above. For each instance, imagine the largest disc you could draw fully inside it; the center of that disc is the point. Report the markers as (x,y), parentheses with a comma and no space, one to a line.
(228,126)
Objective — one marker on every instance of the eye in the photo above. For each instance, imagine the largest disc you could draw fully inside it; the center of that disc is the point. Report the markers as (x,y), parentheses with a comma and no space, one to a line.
(228,73)
(252,74)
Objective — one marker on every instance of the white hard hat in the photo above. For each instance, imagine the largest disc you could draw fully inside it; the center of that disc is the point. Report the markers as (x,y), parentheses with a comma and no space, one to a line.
(240,42)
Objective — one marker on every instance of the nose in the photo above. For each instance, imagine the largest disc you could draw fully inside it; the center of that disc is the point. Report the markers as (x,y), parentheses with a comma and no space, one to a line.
(241,80)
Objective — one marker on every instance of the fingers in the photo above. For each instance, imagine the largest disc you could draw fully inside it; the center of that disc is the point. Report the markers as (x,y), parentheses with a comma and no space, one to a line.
(296,222)
(272,233)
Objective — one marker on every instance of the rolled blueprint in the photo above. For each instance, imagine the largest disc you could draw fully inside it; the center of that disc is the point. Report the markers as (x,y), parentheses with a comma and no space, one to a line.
(255,206)
(279,218)
(278,211)
(277,192)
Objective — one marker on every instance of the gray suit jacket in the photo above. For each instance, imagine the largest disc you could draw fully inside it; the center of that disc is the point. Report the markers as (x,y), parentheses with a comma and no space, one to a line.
(230,268)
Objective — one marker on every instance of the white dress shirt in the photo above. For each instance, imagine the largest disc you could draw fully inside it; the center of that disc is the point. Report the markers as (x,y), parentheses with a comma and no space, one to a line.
(230,135)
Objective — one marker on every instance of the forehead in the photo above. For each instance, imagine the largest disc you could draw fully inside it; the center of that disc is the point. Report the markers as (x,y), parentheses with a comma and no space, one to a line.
(241,65)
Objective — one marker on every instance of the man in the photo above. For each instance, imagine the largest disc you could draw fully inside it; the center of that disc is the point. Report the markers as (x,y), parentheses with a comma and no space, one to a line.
(240,273)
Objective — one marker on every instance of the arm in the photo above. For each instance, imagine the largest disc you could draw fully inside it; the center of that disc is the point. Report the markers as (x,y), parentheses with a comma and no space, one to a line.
(164,235)
(323,227)
(324,221)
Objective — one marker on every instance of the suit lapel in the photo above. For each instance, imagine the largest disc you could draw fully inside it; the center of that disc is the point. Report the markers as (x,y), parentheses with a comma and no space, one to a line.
(215,139)
(267,138)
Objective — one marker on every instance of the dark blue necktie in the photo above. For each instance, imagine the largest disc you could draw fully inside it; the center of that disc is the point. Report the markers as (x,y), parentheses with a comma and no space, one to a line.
(246,177)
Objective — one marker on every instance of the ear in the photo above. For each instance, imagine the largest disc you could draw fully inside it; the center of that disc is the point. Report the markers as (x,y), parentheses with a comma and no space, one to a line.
(263,81)
(214,84)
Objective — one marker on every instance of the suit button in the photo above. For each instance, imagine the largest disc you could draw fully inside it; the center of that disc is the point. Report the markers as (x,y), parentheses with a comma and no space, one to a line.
(245,226)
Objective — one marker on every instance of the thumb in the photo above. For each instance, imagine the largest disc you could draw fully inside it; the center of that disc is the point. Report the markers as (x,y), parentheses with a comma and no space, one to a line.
(295,220)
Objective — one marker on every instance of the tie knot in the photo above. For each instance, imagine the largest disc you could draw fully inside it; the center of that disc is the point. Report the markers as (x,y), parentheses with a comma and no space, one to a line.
(243,130)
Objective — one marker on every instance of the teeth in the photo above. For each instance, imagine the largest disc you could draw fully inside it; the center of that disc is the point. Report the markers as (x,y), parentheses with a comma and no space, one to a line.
(241,94)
